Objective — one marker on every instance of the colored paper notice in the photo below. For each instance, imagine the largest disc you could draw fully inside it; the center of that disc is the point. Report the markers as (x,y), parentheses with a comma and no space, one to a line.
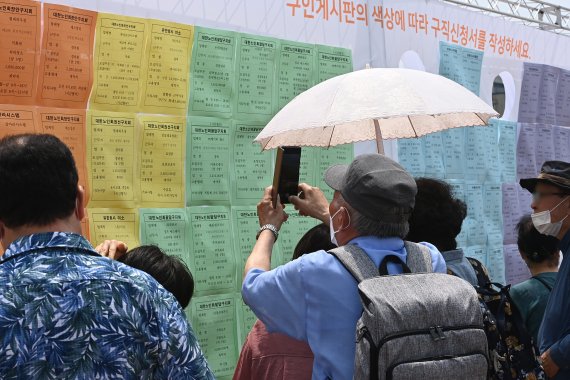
(325,158)
(492,207)
(332,61)
(563,98)
(208,167)
(214,322)
(481,152)
(495,259)
(561,143)
(291,232)
(246,319)
(162,156)
(211,257)
(544,148)
(296,71)
(213,72)
(20,45)
(252,169)
(411,156)
(245,226)
(475,222)
(118,224)
(111,144)
(454,153)
(119,63)
(16,119)
(511,212)
(433,149)
(538,94)
(307,172)
(166,228)
(507,149)
(256,90)
(69,126)
(516,270)
(461,65)
(66,68)
(478,252)
(526,151)
(165,89)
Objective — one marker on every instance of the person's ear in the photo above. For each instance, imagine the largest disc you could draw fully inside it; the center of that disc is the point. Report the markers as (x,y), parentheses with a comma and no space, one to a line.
(79,203)
(344,217)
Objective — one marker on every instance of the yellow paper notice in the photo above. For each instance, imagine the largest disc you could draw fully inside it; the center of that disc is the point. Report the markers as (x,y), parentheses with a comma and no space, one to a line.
(119,62)
(167,66)
(118,224)
(162,156)
(111,145)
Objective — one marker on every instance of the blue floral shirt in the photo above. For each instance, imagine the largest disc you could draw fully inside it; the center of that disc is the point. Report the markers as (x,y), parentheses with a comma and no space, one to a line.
(66,312)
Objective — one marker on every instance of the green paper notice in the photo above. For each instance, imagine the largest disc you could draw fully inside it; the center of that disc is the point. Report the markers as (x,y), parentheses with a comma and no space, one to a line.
(291,231)
(296,72)
(252,169)
(212,258)
(341,154)
(256,64)
(208,166)
(245,226)
(214,321)
(332,61)
(212,73)
(166,228)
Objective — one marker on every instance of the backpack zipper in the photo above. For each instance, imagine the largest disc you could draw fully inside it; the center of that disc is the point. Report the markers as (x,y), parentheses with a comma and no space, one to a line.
(436,332)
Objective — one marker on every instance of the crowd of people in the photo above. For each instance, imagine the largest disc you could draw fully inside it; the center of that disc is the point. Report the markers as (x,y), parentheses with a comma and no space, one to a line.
(69,310)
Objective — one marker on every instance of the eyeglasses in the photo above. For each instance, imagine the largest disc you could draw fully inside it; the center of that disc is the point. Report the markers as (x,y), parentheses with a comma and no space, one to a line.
(537,196)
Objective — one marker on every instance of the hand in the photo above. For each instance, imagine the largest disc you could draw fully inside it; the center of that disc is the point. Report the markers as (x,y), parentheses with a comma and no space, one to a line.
(268,214)
(550,368)
(313,203)
(113,249)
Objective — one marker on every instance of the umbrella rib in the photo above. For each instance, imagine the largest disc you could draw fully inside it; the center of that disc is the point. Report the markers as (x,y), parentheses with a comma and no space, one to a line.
(412,125)
(480,118)
(330,139)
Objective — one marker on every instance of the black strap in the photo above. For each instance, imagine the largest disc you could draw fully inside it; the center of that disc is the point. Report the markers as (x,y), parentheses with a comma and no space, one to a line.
(542,282)
(383,267)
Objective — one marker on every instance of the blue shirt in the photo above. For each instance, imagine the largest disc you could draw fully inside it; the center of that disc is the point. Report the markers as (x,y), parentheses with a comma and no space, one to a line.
(315,299)
(66,312)
(554,332)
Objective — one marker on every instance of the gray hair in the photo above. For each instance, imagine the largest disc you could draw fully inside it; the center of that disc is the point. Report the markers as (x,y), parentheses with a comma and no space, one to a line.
(370,227)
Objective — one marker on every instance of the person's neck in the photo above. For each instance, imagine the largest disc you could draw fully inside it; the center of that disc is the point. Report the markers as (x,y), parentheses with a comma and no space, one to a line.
(70,224)
(539,268)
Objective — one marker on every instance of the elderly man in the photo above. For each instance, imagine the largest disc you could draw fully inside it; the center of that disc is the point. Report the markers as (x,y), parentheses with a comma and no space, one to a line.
(551,206)
(65,311)
(314,298)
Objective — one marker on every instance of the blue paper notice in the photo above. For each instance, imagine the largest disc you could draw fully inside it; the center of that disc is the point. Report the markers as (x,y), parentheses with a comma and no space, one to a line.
(461,65)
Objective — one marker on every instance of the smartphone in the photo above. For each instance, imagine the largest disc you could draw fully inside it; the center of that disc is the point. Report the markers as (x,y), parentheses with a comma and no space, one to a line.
(286,174)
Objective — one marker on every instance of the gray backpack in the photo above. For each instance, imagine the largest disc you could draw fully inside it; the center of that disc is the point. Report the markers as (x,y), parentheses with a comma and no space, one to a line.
(418,325)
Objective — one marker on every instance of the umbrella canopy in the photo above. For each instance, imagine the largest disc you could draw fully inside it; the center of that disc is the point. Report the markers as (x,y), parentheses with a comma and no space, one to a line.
(374,104)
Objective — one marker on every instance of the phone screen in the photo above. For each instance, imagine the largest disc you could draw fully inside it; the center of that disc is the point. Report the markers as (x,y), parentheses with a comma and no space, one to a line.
(286,175)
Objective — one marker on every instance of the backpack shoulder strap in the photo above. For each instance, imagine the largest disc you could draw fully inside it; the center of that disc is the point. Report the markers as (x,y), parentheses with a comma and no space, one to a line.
(542,282)
(418,257)
(356,262)
(483,279)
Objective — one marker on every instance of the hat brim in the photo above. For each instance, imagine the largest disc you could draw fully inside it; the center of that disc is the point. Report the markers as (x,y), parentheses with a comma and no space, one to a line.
(334,176)
(530,184)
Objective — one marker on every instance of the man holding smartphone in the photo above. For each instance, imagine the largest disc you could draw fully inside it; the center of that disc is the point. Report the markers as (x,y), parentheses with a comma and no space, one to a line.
(314,298)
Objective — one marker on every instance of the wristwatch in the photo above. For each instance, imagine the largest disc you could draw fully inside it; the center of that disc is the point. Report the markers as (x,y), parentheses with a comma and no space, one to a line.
(269,227)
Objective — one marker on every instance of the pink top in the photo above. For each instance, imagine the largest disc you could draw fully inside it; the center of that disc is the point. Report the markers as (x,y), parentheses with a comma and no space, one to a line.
(273,356)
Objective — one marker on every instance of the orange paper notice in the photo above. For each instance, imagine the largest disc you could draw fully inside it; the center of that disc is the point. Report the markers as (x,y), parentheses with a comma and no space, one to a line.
(20,45)
(69,126)
(16,120)
(66,67)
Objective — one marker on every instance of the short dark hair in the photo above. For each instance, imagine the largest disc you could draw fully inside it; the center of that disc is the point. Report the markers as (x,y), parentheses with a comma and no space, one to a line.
(437,215)
(170,271)
(38,180)
(315,239)
(535,246)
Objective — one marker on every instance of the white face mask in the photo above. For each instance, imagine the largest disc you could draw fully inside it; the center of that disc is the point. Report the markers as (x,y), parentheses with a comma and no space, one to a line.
(331,227)
(543,223)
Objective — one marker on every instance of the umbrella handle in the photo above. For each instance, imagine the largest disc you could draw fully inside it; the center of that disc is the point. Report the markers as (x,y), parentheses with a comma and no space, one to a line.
(379,143)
